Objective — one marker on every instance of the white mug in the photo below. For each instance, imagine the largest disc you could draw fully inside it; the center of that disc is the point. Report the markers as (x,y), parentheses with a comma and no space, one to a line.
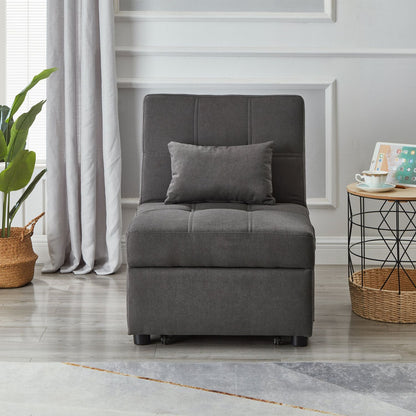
(372,178)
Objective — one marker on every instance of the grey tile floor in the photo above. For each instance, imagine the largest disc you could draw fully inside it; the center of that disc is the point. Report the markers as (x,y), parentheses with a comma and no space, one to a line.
(207,388)
(351,367)
(67,318)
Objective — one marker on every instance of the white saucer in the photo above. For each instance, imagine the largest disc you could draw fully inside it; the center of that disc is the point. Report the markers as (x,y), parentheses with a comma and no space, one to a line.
(384,188)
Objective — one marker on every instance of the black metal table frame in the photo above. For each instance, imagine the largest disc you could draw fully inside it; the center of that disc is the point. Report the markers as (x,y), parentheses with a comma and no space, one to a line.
(396,242)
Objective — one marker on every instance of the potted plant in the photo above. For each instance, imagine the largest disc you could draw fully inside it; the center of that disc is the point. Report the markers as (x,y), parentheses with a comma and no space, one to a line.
(17,259)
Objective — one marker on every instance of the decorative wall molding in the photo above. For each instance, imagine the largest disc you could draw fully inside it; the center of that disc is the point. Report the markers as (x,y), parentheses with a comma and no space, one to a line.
(330,9)
(326,16)
(224,83)
(116,4)
(175,84)
(259,52)
(330,150)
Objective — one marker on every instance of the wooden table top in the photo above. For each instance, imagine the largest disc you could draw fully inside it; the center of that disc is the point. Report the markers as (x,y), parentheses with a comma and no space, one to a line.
(396,194)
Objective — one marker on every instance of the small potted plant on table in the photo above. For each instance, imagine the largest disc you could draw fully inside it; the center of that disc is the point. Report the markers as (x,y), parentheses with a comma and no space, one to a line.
(17,258)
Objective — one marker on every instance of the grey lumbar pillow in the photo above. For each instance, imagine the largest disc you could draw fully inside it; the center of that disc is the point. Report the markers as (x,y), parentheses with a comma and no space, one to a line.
(221,173)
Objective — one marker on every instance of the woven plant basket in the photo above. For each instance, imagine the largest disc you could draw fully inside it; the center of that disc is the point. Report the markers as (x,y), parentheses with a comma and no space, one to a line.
(17,258)
(386,305)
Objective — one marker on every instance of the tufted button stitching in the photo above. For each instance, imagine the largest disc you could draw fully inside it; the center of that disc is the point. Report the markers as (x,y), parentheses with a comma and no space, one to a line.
(249,219)
(191,219)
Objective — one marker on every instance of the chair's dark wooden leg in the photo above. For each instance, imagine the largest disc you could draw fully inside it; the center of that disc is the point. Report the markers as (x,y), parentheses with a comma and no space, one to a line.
(141,339)
(298,341)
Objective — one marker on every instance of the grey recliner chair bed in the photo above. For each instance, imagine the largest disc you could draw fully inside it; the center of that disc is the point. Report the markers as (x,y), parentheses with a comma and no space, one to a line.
(222,268)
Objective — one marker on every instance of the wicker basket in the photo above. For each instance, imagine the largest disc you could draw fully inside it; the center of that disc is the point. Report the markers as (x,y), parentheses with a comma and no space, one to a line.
(386,305)
(17,258)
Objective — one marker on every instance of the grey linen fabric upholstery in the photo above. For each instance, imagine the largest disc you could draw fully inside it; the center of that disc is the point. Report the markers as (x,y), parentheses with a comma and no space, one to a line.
(225,120)
(221,173)
(221,235)
(220,301)
(222,268)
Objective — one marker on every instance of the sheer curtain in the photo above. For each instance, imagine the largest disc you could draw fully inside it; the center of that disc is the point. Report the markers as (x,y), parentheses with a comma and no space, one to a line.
(83,141)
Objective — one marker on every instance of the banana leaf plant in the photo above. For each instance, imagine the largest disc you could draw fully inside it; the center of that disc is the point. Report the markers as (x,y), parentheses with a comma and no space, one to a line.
(18,162)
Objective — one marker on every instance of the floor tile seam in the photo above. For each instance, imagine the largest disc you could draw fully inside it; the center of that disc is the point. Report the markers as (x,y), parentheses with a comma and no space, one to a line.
(364,395)
(352,363)
(255,399)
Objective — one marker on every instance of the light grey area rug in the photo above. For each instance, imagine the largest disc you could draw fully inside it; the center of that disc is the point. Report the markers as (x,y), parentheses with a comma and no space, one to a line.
(196,388)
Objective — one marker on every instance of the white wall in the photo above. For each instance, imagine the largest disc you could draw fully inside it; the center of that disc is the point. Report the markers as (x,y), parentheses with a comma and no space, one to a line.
(357,74)
(2,52)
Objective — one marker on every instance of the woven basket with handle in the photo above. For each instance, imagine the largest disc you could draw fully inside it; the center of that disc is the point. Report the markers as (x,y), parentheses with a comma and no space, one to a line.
(17,258)
(394,303)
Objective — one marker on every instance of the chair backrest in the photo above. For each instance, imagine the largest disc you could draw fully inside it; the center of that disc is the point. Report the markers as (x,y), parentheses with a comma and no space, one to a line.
(224,120)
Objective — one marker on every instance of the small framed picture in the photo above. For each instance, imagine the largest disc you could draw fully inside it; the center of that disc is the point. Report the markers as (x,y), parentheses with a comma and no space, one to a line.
(398,159)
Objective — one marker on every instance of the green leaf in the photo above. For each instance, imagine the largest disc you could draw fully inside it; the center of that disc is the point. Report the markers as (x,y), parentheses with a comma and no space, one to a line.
(20,130)
(18,101)
(5,126)
(3,146)
(4,111)
(25,194)
(18,173)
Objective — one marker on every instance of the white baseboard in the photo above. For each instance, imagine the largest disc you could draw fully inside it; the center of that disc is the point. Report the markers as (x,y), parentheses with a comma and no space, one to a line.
(40,247)
(333,250)
(330,250)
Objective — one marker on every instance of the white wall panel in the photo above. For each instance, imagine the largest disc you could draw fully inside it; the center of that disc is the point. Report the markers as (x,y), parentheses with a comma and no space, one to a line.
(306,6)
(230,10)
(369,49)
(359,25)
(319,109)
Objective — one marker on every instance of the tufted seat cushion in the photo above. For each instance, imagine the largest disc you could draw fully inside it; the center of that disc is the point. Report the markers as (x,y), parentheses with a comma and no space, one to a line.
(221,235)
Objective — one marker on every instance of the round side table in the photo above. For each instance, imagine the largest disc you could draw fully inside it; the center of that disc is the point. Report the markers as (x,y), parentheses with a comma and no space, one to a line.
(388,292)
